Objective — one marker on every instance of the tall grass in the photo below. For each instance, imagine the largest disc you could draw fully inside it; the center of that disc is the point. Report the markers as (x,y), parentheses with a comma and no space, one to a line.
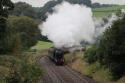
(94,70)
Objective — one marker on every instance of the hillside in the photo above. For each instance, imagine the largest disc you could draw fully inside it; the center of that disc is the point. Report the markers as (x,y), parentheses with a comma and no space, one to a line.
(104,11)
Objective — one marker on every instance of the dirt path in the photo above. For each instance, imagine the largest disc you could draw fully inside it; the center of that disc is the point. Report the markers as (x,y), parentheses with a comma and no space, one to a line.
(61,74)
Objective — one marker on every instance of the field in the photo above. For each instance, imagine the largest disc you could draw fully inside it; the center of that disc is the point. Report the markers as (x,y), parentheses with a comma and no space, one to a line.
(104,11)
(41,45)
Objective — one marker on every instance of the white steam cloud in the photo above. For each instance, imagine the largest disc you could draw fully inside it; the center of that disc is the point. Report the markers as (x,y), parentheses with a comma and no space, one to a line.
(102,24)
(69,25)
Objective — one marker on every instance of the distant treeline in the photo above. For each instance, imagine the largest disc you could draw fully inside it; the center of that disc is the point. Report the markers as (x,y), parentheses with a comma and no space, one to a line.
(24,9)
(106,10)
(98,5)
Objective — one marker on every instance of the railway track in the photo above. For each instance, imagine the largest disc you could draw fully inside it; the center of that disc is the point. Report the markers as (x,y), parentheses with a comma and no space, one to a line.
(61,74)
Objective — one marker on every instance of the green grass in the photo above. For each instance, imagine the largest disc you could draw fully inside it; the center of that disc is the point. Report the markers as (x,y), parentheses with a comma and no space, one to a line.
(41,45)
(104,11)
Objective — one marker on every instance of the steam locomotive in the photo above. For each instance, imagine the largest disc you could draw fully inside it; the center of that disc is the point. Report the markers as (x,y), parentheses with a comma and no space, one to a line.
(56,55)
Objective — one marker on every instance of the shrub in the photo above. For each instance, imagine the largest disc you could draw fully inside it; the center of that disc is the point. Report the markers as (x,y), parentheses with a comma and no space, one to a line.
(90,54)
(20,70)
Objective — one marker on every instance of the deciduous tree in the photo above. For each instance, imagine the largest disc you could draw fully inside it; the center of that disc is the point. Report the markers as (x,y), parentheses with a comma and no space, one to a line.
(5,6)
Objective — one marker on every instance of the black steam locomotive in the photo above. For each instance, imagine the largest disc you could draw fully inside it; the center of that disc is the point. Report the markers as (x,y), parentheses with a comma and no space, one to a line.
(56,55)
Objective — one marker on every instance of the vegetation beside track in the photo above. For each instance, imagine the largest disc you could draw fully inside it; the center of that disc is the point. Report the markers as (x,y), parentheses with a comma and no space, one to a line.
(95,70)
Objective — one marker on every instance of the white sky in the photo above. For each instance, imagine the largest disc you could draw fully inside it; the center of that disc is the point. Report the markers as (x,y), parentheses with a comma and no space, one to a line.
(39,3)
(121,2)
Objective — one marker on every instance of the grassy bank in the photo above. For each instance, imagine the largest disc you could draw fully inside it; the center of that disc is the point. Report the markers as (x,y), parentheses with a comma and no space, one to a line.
(95,71)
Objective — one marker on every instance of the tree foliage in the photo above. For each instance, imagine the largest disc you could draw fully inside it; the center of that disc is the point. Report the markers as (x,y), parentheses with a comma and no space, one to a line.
(5,6)
(48,7)
(23,9)
(90,54)
(85,2)
(24,28)
(98,5)
(112,48)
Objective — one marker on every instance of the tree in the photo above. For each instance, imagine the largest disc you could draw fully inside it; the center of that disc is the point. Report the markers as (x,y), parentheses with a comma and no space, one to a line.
(27,29)
(5,6)
(85,2)
(23,9)
(24,28)
(111,49)
(48,7)
(98,5)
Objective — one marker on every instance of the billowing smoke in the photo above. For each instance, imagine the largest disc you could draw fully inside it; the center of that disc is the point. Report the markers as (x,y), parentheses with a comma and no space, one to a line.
(102,24)
(69,25)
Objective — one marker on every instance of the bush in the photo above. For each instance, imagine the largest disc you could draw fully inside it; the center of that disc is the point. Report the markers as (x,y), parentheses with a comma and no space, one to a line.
(90,54)
(20,69)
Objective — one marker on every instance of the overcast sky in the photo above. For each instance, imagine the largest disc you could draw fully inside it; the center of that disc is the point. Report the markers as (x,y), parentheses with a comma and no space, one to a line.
(39,3)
